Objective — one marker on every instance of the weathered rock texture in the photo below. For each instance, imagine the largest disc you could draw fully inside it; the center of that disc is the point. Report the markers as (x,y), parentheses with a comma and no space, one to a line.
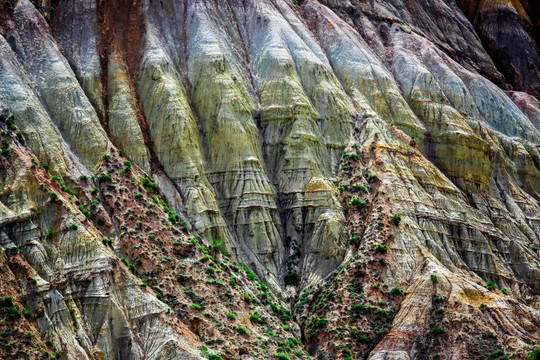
(510,32)
(375,163)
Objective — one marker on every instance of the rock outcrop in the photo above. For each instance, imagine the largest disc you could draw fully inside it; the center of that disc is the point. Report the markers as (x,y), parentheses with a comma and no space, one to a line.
(374,164)
(509,31)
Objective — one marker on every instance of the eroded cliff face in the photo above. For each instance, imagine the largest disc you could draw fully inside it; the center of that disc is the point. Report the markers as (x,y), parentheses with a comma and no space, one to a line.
(375,165)
(510,32)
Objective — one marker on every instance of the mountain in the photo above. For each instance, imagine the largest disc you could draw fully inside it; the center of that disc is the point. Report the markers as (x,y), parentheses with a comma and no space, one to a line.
(269,179)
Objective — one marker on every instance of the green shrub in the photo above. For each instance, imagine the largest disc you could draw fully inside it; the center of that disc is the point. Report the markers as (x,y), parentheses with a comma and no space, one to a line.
(214,357)
(196,307)
(159,296)
(371,177)
(101,221)
(497,354)
(21,138)
(5,147)
(6,302)
(85,212)
(249,274)
(215,242)
(281,356)
(255,318)
(184,227)
(359,204)
(13,313)
(66,189)
(106,158)
(534,355)
(94,191)
(381,313)
(104,178)
(127,169)
(380,248)
(241,330)
(396,291)
(174,218)
(437,330)
(28,314)
(505,291)
(231,316)
(73,227)
(396,219)
(482,306)
(107,242)
(280,311)
(149,185)
(437,299)
(83,178)
(53,195)
(318,323)
(130,266)
(491,286)
(49,234)
(15,250)
(360,188)
(56,179)
(364,339)
(434,278)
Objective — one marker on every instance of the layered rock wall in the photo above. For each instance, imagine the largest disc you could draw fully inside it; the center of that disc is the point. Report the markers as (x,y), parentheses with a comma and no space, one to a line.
(345,151)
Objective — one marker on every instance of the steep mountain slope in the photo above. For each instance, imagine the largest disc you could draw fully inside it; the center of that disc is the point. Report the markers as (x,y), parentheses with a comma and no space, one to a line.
(510,32)
(374,163)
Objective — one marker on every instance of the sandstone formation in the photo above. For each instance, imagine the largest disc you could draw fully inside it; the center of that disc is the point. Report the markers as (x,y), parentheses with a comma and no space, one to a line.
(339,179)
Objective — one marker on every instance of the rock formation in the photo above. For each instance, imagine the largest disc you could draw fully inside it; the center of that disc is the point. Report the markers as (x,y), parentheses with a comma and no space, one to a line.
(333,179)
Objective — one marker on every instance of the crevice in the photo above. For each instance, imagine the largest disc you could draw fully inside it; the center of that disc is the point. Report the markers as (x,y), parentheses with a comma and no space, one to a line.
(104,36)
